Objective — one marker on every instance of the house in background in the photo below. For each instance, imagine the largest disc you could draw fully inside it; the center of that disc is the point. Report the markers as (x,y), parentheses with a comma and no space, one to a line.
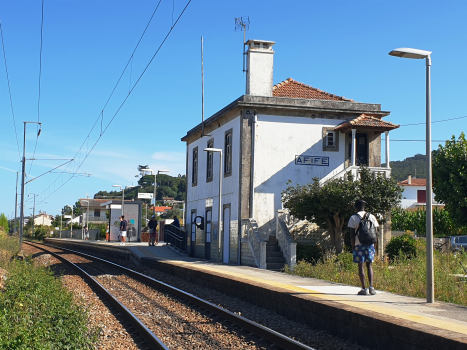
(270,135)
(160,210)
(42,219)
(96,214)
(414,195)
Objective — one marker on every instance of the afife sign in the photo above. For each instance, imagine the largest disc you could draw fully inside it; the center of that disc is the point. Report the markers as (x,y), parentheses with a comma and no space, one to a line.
(312,160)
(146,195)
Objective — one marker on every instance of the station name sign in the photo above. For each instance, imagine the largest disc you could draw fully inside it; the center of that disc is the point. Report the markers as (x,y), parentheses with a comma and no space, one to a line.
(312,160)
(145,196)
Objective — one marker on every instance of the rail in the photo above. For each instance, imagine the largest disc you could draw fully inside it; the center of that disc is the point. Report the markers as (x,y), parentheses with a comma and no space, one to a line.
(256,242)
(176,237)
(253,327)
(285,239)
(153,341)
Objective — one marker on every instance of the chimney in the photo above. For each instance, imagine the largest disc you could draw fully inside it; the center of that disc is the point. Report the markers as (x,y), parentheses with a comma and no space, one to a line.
(260,63)
(409,180)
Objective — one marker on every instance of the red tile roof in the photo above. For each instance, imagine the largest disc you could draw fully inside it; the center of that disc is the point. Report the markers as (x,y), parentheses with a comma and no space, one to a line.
(414,182)
(367,122)
(161,209)
(294,89)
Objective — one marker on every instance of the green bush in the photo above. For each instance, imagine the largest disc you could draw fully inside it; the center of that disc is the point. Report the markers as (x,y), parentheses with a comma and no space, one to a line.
(37,312)
(415,220)
(402,246)
(309,252)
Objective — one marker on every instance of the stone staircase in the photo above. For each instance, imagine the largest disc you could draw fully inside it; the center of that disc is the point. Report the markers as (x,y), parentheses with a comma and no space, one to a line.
(274,257)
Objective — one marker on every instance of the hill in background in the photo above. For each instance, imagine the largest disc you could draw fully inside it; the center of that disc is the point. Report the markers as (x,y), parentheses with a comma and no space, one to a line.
(415,166)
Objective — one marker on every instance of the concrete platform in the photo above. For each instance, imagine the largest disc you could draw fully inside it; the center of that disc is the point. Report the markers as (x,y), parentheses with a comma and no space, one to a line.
(383,321)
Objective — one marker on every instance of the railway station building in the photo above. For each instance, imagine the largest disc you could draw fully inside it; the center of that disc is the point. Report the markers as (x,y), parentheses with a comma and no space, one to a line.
(270,135)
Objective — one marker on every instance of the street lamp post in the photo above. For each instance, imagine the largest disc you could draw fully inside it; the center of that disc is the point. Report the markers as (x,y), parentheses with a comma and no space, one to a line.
(87,216)
(23,172)
(420,54)
(218,150)
(123,195)
(61,215)
(71,222)
(33,212)
(155,185)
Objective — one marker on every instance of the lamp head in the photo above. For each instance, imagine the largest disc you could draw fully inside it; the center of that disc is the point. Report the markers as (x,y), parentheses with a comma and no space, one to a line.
(406,52)
(209,149)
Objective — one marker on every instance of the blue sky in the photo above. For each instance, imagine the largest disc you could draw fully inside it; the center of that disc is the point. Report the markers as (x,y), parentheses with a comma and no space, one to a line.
(337,46)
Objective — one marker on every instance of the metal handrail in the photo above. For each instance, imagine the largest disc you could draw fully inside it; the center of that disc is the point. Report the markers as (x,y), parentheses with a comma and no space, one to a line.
(176,237)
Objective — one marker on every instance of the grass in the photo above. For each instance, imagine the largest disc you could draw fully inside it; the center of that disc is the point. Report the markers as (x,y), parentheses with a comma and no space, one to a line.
(403,276)
(36,310)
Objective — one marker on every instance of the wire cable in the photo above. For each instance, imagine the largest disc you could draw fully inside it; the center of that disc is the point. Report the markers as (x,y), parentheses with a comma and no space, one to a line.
(40,74)
(124,101)
(101,114)
(437,121)
(9,90)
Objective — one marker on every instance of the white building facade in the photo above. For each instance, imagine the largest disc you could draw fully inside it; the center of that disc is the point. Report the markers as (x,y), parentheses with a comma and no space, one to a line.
(269,136)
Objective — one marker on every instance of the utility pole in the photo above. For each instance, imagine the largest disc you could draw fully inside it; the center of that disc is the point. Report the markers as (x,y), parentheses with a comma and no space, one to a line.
(15,230)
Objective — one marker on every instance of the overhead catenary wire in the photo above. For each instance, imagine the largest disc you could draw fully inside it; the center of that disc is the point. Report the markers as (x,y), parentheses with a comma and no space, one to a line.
(123,102)
(40,75)
(436,121)
(9,90)
(101,114)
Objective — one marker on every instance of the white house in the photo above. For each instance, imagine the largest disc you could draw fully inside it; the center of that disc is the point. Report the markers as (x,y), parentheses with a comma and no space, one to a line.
(93,211)
(43,219)
(414,194)
(272,134)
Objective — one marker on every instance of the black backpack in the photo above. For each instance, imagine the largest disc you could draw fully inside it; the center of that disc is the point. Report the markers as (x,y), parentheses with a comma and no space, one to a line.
(366,231)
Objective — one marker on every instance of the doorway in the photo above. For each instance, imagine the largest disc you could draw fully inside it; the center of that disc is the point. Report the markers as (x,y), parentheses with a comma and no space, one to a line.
(362,149)
(207,243)
(193,232)
(226,229)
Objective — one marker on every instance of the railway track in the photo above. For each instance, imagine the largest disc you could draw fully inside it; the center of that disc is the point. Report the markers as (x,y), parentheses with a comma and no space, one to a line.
(126,289)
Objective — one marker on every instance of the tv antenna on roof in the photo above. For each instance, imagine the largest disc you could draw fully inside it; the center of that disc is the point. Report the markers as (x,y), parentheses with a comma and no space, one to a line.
(243,23)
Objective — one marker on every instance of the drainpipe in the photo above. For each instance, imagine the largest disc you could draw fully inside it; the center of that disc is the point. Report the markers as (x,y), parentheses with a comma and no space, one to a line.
(252,174)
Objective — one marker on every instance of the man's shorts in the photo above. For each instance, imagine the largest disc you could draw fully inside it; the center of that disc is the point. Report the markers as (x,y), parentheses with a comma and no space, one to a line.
(123,233)
(364,253)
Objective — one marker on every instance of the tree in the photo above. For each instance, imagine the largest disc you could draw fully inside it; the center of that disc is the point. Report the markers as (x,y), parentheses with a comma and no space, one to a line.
(330,204)
(4,223)
(450,177)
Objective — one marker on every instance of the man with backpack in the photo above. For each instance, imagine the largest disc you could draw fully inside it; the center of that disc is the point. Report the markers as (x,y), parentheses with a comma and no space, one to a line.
(363,235)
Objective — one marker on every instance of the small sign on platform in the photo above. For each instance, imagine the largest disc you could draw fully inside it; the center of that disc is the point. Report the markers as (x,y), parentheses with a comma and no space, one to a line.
(312,160)
(145,195)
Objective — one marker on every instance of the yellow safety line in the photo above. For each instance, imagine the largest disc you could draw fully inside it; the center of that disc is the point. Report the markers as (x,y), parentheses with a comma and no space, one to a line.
(434,322)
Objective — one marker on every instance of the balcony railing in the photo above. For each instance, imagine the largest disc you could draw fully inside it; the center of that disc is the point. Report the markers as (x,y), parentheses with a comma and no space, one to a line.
(354,170)
(96,218)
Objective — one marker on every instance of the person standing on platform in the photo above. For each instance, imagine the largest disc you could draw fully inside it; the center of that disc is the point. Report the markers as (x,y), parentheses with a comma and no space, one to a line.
(86,233)
(176,223)
(152,230)
(363,252)
(123,228)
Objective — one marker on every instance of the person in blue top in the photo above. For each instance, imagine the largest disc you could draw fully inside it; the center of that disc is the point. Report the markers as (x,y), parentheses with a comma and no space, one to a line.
(123,228)
(176,223)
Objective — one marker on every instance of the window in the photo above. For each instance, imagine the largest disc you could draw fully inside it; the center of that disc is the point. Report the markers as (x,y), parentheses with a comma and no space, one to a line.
(421,196)
(194,168)
(97,212)
(209,156)
(228,153)
(330,139)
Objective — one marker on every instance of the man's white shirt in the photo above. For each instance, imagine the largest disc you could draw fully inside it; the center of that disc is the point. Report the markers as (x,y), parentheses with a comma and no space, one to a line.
(354,221)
